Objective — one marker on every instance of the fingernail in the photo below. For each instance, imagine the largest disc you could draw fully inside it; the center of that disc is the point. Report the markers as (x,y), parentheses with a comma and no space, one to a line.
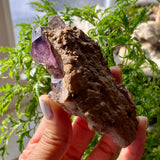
(45,109)
(146,120)
(142,120)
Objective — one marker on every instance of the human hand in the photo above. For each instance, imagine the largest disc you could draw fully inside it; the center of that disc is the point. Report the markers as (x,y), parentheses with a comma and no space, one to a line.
(57,139)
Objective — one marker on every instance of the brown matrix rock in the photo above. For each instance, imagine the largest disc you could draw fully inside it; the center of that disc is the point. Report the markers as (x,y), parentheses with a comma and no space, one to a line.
(88,89)
(82,82)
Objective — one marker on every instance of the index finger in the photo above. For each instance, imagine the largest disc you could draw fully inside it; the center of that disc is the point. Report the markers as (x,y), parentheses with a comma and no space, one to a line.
(117,73)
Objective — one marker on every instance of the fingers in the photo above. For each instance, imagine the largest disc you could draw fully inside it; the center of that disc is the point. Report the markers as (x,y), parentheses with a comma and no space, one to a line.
(81,137)
(105,149)
(56,130)
(117,73)
(135,150)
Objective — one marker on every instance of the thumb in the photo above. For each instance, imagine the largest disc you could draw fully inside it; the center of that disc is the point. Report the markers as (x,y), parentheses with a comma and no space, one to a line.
(56,136)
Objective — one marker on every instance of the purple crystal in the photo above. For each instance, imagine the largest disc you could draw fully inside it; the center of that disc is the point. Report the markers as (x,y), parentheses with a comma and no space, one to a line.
(41,49)
(44,54)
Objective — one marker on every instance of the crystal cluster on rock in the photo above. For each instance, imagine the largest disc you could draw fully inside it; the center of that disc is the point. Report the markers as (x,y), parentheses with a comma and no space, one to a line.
(82,82)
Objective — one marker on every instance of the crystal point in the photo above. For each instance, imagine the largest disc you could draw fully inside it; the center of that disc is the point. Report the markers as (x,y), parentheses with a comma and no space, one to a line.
(41,50)
(55,22)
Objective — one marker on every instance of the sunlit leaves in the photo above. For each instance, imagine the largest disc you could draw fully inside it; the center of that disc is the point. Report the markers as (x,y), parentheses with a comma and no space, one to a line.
(29,82)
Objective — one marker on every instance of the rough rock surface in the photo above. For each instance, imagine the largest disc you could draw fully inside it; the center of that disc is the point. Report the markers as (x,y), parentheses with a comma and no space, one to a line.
(82,82)
(88,88)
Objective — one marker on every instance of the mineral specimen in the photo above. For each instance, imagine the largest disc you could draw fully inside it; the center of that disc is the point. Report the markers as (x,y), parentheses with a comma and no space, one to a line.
(82,82)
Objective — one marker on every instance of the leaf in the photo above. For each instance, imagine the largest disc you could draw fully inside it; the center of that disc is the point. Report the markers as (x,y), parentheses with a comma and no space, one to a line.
(18,103)
(6,49)
(45,7)
(140,18)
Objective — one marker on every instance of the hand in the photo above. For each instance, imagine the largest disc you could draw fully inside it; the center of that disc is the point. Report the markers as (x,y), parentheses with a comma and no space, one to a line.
(57,139)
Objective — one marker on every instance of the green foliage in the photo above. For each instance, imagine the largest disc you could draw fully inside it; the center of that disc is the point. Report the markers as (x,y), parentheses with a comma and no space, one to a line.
(87,13)
(111,27)
(18,62)
(152,150)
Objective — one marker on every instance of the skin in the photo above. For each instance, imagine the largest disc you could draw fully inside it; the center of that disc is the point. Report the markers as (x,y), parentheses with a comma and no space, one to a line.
(57,139)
